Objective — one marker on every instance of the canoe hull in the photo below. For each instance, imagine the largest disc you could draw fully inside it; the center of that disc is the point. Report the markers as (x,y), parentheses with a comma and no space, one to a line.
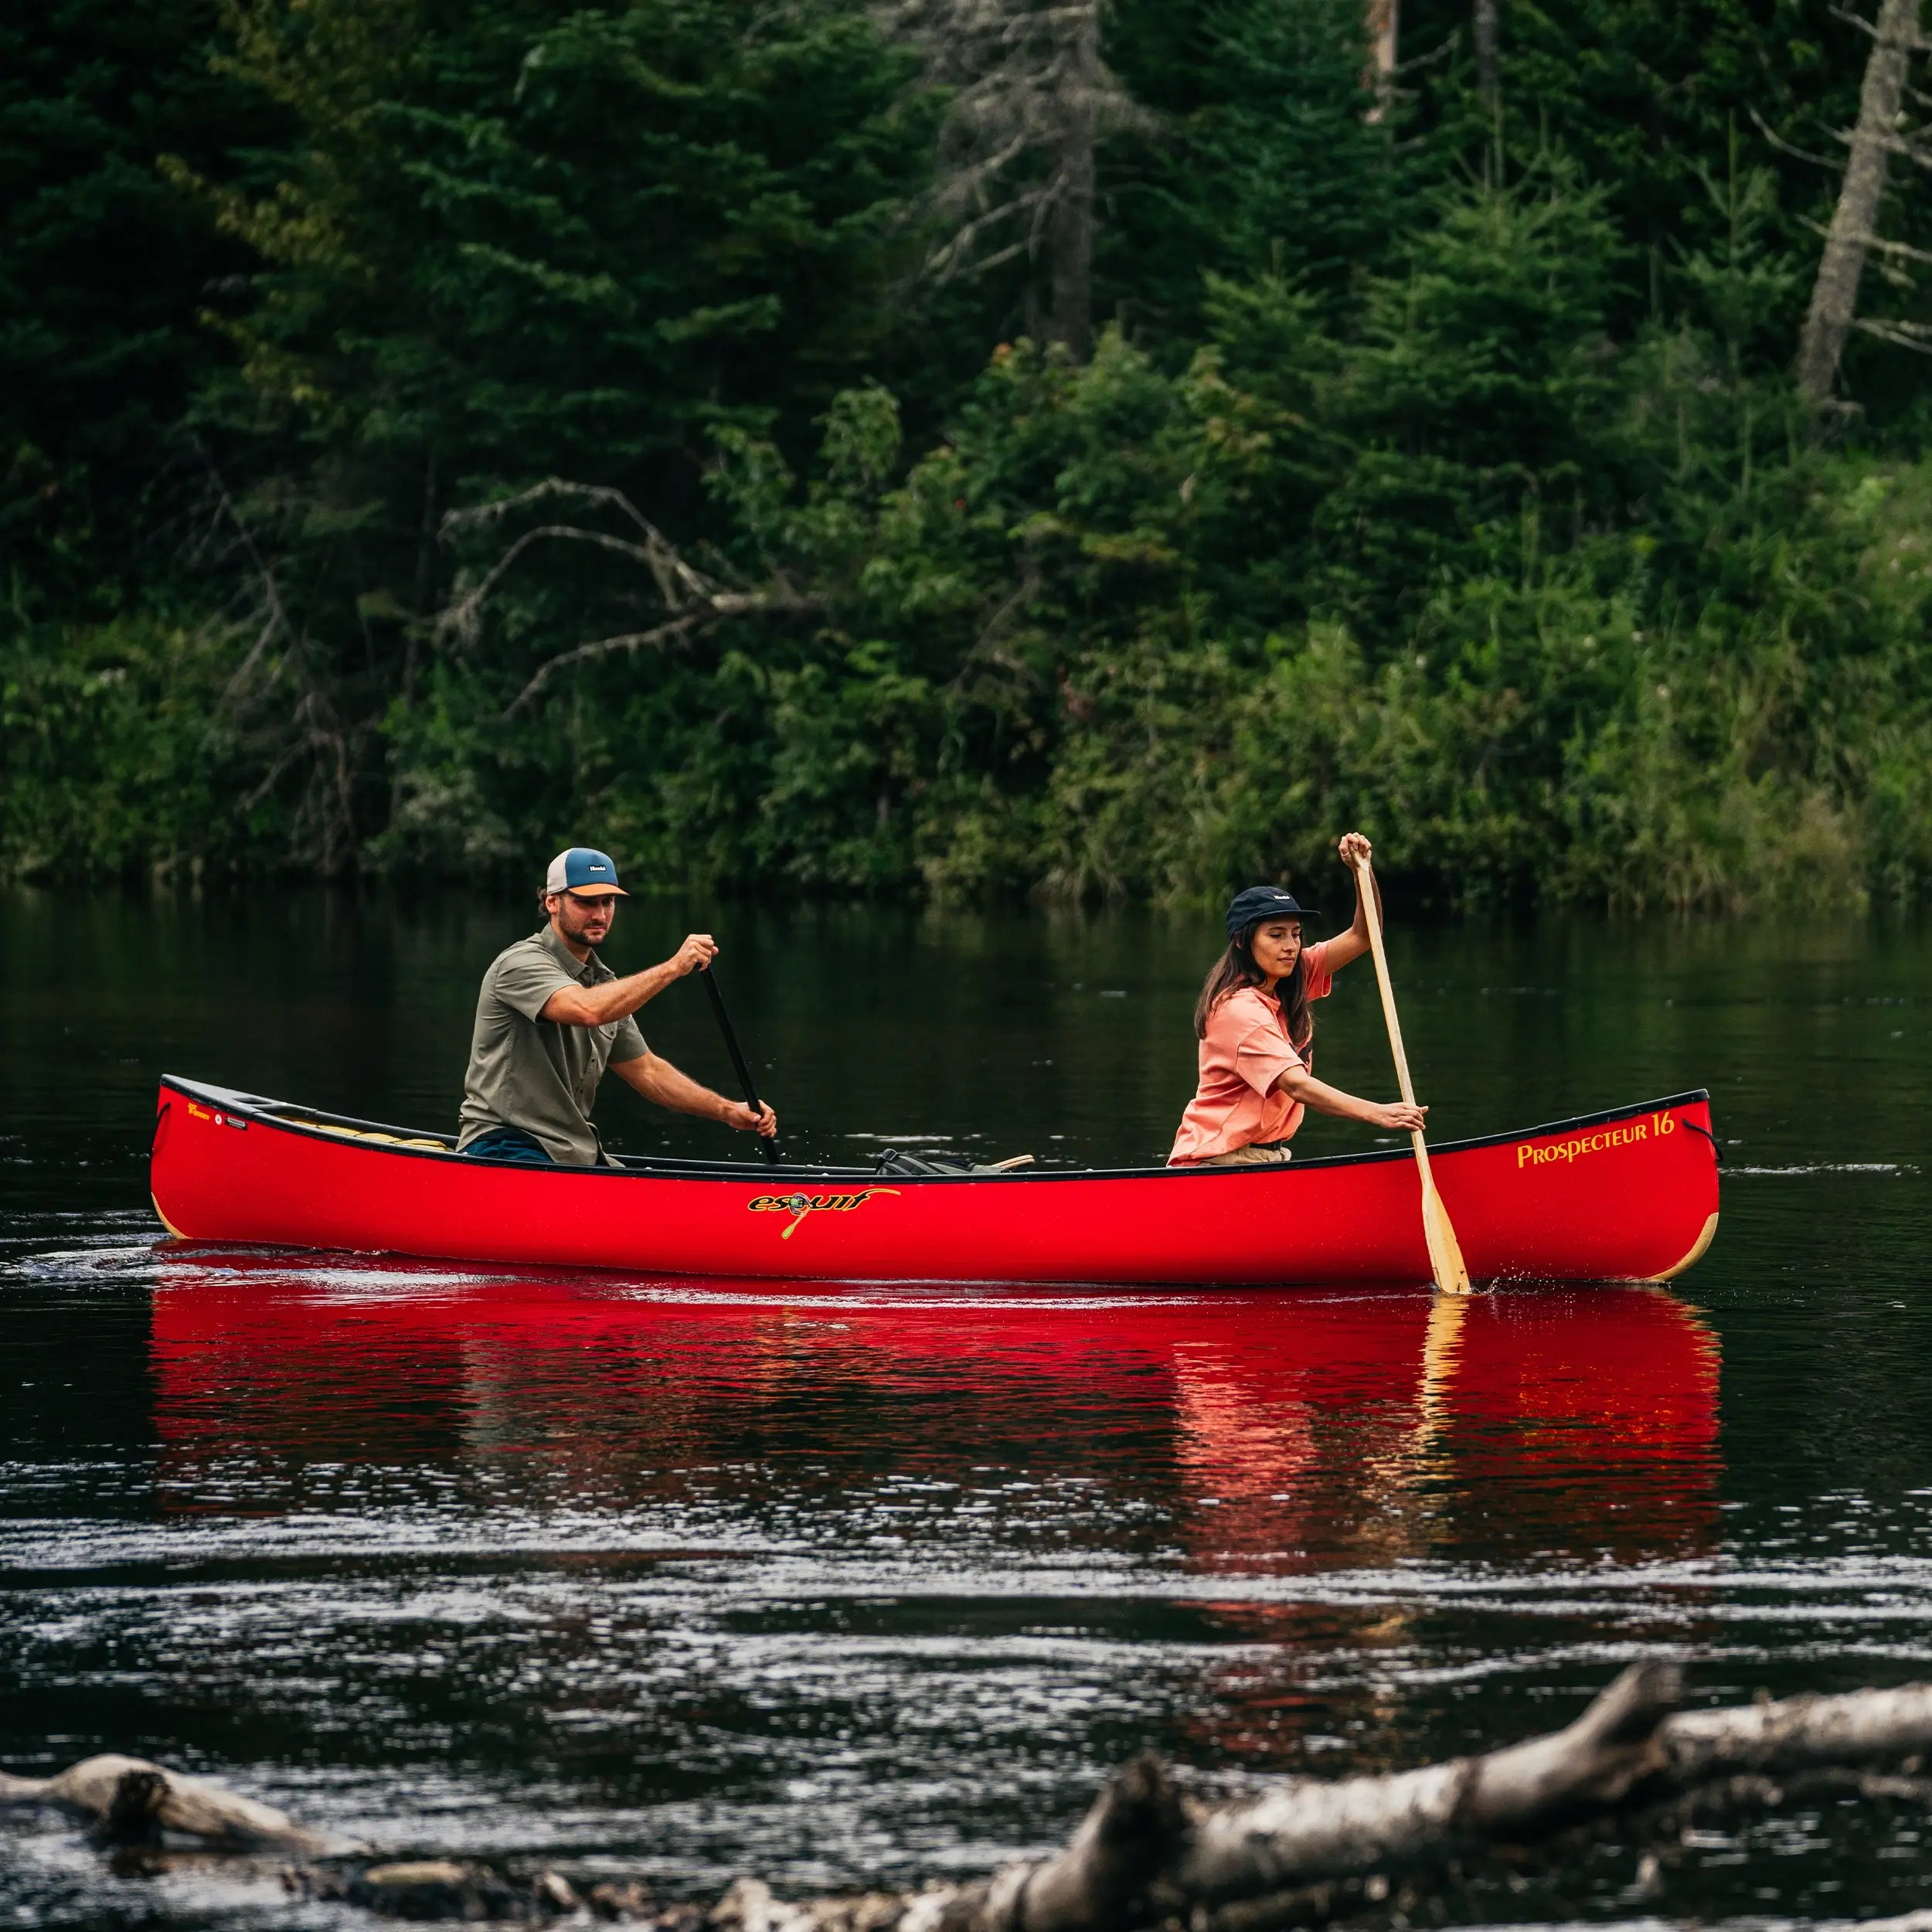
(1628,1195)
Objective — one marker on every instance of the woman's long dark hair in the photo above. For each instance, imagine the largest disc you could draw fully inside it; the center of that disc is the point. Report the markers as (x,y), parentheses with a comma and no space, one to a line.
(1236,968)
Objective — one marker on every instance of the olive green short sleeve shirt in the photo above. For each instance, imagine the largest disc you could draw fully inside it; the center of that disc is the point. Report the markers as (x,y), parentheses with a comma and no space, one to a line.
(533,1074)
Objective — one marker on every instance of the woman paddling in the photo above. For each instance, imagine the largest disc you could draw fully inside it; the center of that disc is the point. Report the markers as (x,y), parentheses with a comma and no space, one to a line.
(1255,1029)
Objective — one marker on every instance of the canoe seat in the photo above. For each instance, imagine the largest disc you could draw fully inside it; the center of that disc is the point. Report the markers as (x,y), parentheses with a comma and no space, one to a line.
(363,1132)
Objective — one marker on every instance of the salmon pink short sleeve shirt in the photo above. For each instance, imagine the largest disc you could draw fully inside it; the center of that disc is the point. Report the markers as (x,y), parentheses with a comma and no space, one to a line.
(1247,1049)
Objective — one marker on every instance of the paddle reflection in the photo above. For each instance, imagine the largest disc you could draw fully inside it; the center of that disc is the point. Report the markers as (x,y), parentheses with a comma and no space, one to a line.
(1271,1433)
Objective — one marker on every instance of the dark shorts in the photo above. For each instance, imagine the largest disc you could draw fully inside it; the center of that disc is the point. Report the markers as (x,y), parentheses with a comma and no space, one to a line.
(510,1144)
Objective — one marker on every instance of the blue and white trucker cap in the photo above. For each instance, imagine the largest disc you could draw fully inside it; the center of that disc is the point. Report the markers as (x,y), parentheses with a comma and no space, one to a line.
(586,871)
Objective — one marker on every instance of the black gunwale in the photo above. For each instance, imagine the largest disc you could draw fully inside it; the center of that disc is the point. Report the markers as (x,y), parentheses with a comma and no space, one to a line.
(256,1107)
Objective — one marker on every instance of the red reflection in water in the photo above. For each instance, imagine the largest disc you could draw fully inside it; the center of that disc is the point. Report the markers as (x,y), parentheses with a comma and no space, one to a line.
(1520,1432)
(1304,1446)
(1585,1421)
(1290,1430)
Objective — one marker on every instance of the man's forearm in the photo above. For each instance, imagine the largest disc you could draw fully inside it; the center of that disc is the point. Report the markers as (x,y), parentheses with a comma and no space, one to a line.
(657,1081)
(617,1000)
(639,989)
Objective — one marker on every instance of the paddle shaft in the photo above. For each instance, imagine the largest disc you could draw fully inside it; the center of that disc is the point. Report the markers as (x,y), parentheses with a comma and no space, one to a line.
(709,975)
(1445,1252)
(1365,882)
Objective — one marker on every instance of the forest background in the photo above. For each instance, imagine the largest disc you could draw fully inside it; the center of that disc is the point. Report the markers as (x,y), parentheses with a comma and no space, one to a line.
(970,447)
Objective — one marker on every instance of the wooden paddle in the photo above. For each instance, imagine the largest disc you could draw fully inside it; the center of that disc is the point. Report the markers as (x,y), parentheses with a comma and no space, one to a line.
(739,1064)
(1445,1252)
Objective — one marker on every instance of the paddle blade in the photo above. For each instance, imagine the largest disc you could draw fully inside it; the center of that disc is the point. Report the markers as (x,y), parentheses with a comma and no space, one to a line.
(1445,1251)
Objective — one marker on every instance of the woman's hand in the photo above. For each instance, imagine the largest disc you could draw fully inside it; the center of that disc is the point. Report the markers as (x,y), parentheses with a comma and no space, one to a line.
(1346,948)
(1399,1117)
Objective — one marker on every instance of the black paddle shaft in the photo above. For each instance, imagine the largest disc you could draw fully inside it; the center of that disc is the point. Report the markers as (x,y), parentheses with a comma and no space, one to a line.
(709,976)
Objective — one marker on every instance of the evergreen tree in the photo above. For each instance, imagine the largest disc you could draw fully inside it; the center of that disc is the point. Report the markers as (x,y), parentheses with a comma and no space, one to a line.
(1438,463)
(102,271)
(505,245)
(1266,161)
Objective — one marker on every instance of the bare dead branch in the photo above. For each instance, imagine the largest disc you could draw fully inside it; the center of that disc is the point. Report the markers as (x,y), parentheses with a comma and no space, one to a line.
(275,614)
(712,610)
(673,575)
(1903,251)
(1031,100)
(1147,1855)
(693,602)
(1874,30)
(480,515)
(1912,336)
(1778,141)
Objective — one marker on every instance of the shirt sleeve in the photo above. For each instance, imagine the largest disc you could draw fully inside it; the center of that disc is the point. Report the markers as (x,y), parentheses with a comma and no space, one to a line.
(524,983)
(1260,1053)
(626,1043)
(1315,970)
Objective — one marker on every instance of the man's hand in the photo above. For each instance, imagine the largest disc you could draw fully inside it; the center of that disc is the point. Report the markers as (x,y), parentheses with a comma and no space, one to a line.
(1399,1117)
(698,951)
(1355,845)
(661,1083)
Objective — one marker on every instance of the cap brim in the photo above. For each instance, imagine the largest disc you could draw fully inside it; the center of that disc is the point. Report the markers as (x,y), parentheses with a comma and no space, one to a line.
(597,892)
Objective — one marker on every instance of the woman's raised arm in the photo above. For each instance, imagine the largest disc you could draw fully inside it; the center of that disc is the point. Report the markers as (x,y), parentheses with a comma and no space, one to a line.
(1347,947)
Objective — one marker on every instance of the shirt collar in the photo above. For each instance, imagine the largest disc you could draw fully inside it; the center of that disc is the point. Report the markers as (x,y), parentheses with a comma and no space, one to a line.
(576,968)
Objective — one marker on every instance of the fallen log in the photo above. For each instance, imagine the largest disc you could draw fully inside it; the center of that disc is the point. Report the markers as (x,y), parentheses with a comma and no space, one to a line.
(129,1800)
(1146,1854)
(1263,1862)
(1799,1733)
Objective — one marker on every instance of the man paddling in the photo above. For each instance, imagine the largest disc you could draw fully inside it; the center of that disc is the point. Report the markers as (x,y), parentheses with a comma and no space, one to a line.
(551,1016)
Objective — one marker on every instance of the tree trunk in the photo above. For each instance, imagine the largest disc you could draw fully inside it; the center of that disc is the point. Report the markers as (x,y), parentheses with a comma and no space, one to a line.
(1383,19)
(1071,225)
(1484,25)
(1848,240)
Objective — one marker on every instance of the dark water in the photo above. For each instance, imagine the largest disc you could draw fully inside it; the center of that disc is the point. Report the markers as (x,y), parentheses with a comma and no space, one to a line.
(834,1586)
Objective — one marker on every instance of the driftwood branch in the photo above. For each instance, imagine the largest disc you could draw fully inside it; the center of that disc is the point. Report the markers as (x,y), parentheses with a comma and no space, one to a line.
(129,1800)
(1310,1830)
(1146,1854)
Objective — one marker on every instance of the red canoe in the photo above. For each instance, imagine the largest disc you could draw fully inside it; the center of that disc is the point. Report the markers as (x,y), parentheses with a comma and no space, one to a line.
(1627,1195)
